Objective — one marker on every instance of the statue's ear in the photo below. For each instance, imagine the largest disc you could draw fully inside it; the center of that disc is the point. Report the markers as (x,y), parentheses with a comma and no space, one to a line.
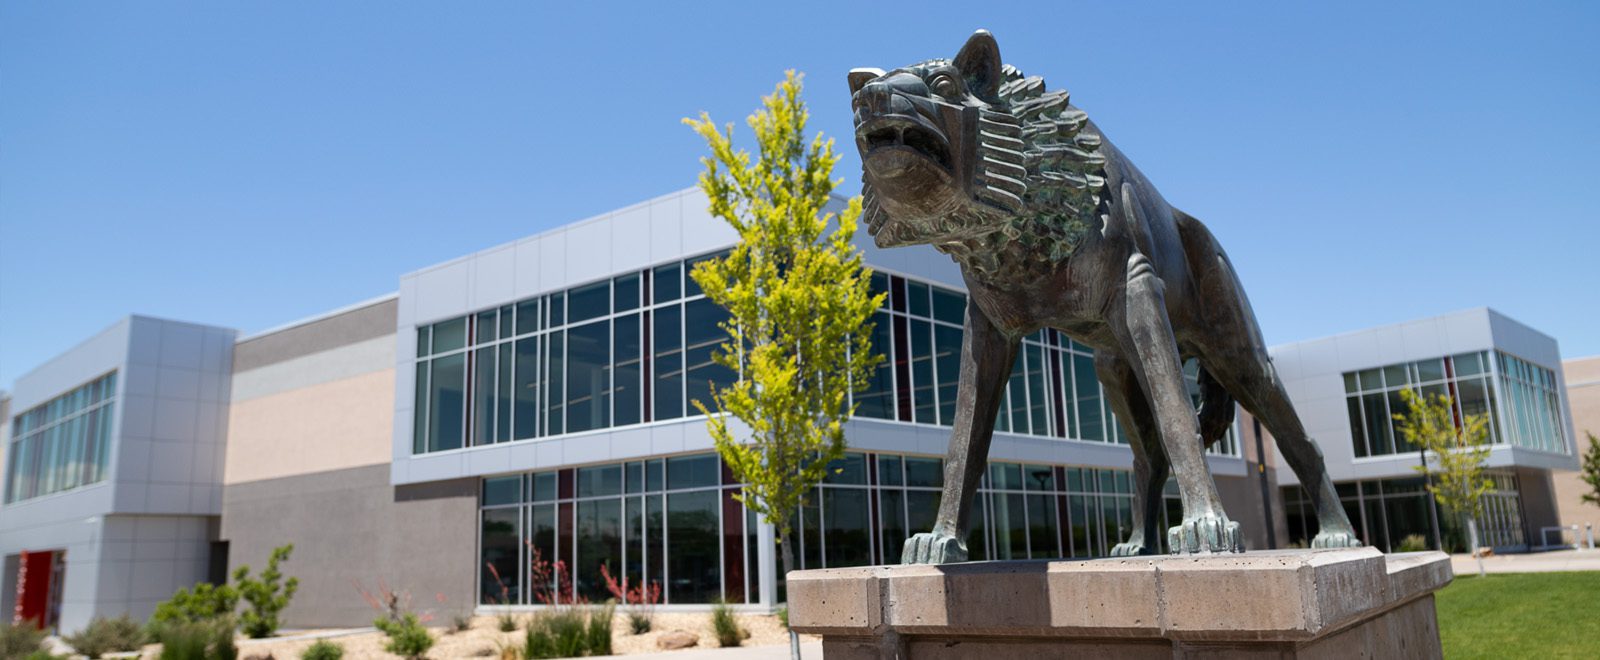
(860,77)
(979,60)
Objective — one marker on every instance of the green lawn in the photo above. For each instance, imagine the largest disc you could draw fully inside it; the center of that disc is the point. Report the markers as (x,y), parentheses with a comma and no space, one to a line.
(1521,615)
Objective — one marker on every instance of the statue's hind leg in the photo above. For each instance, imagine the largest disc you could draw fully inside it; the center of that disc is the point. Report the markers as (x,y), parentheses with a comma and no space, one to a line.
(1150,467)
(1234,353)
(1255,383)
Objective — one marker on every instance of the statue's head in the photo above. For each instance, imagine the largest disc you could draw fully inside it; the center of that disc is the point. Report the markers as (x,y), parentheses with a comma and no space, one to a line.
(957,150)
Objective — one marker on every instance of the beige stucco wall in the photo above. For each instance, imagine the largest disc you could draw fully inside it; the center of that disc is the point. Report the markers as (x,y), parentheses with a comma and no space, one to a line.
(1583,396)
(335,425)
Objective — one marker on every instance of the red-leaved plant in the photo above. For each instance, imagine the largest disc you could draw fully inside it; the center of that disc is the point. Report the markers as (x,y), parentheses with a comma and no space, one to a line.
(639,599)
(540,574)
(638,594)
(505,590)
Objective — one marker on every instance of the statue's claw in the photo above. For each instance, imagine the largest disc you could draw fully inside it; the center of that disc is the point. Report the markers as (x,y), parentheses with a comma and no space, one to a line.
(933,548)
(1211,532)
(1132,547)
(1336,538)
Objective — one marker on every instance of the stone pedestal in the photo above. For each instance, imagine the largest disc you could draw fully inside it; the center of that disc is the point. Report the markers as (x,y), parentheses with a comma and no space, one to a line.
(1350,603)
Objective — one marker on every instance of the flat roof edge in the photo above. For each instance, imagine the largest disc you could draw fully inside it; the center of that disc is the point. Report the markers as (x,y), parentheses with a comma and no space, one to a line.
(363,304)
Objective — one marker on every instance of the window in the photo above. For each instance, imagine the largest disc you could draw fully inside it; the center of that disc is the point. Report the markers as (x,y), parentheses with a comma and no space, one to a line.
(1372,399)
(1385,512)
(63,443)
(1533,416)
(627,371)
(589,377)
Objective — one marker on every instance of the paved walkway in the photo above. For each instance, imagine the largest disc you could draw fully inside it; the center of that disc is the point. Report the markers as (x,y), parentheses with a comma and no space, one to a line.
(1532,562)
(808,650)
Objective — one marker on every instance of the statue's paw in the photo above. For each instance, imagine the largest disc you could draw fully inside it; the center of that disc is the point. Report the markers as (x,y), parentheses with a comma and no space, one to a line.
(933,548)
(1336,538)
(1211,532)
(1132,547)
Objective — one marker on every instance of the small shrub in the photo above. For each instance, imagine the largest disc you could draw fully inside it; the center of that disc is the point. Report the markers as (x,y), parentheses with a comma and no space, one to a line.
(17,641)
(640,623)
(206,602)
(323,650)
(600,629)
(783,616)
(537,644)
(267,595)
(1412,543)
(198,640)
(460,623)
(407,637)
(568,632)
(507,621)
(725,625)
(104,636)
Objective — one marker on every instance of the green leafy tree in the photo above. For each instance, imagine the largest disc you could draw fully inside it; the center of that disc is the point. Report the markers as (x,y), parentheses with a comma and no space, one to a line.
(1459,451)
(267,594)
(800,308)
(1591,469)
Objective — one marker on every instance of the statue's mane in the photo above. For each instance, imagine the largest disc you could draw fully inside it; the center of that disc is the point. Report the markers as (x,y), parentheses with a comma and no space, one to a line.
(1041,181)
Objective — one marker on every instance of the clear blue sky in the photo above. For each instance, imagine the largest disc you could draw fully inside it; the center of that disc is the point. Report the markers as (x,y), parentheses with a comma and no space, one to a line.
(248,164)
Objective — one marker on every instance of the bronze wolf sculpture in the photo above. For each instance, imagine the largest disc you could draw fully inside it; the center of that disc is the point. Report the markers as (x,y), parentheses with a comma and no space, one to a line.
(1053,227)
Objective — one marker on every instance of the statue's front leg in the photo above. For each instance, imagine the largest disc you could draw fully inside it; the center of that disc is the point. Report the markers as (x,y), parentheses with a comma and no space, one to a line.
(1205,527)
(986,357)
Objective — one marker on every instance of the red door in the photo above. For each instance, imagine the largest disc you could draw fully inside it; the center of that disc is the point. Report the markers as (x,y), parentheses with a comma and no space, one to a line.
(35,573)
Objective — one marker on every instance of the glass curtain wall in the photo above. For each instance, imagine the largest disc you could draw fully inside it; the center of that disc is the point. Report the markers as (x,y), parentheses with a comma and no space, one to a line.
(1520,399)
(675,522)
(550,537)
(632,349)
(1533,417)
(63,443)
(637,348)
(1372,399)
(1052,392)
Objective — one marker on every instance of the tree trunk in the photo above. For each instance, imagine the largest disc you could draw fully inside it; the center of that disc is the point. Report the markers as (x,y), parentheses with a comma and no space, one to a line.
(788,565)
(1472,542)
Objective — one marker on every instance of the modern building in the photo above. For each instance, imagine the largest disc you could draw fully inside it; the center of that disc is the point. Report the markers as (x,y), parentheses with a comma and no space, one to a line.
(531,406)
(113,472)
(1347,391)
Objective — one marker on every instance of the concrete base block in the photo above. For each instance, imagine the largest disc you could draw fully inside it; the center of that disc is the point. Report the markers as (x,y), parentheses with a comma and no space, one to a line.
(1346,603)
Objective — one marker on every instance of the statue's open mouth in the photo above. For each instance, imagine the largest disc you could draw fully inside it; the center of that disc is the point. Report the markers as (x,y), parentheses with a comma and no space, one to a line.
(887,141)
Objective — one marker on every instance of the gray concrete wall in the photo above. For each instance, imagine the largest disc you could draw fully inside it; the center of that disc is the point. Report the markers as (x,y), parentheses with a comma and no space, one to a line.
(143,560)
(351,526)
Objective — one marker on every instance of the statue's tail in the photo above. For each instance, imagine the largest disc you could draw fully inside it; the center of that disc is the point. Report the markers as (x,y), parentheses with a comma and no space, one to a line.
(1216,408)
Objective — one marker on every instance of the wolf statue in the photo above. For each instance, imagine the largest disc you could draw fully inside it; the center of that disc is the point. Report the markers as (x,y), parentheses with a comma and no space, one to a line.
(1055,228)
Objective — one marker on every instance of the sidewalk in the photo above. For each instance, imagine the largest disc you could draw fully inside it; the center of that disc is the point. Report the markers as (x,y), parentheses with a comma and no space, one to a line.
(1533,562)
(808,650)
